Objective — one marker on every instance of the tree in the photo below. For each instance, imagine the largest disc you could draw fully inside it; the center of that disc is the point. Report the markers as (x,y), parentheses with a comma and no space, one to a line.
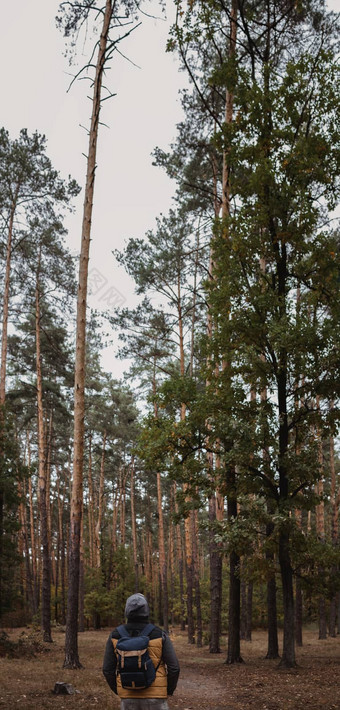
(29,186)
(72,19)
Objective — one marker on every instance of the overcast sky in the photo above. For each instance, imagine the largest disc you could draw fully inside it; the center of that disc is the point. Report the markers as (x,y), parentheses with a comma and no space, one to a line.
(129,192)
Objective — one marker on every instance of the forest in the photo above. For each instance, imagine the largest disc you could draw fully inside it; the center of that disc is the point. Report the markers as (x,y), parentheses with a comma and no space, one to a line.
(208,477)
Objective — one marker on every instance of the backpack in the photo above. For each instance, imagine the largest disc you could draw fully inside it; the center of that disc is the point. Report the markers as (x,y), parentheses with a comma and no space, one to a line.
(134,664)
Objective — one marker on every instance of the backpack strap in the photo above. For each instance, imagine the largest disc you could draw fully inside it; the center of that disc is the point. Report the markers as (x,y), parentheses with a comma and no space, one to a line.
(148,629)
(123,633)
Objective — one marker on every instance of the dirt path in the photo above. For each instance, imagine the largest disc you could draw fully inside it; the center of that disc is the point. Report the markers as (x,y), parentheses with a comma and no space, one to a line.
(206,682)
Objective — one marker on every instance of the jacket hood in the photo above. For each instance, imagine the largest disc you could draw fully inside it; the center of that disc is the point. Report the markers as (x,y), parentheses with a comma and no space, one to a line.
(136,605)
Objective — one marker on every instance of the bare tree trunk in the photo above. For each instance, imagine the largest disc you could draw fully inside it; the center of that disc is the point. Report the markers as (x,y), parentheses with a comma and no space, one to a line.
(48,488)
(122,498)
(243,617)
(335,500)
(81,622)
(172,562)
(162,557)
(27,573)
(298,595)
(320,529)
(234,651)
(100,504)
(71,641)
(46,572)
(197,579)
(4,340)
(91,506)
(32,529)
(215,559)
(5,303)
(179,551)
(133,525)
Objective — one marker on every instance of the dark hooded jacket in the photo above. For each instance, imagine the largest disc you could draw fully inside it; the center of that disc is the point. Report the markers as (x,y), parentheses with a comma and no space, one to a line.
(137,614)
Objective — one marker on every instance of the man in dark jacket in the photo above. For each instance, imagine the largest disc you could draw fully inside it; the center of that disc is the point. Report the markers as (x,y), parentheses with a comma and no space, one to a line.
(162,654)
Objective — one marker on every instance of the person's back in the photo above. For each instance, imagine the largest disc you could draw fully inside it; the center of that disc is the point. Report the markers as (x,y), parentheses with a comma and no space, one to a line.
(161,652)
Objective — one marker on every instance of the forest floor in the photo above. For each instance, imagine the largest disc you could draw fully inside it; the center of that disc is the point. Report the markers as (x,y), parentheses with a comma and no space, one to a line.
(206,682)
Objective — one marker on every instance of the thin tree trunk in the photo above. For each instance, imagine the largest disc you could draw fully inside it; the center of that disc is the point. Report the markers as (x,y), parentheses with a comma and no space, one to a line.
(320,530)
(133,525)
(91,506)
(234,651)
(197,580)
(122,498)
(335,500)
(48,488)
(71,641)
(288,654)
(189,569)
(81,621)
(172,562)
(180,564)
(298,613)
(215,560)
(243,617)
(249,617)
(4,341)
(46,571)
(273,641)
(28,571)
(32,530)
(57,576)
(162,557)
(100,504)
(5,302)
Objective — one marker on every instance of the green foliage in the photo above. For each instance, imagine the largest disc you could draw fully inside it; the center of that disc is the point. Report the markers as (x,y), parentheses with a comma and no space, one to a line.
(109,603)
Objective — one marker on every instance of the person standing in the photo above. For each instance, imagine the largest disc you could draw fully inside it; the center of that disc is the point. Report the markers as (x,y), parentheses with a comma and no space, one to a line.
(161,652)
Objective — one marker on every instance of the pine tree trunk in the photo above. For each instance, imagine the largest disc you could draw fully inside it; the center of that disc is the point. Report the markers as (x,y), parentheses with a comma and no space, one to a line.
(162,557)
(189,569)
(48,489)
(249,616)
(122,496)
(215,559)
(320,529)
(190,580)
(179,552)
(81,621)
(46,570)
(133,525)
(273,642)
(100,504)
(61,556)
(27,583)
(4,340)
(234,651)
(91,507)
(243,617)
(298,613)
(288,654)
(171,570)
(199,634)
(71,641)
(335,500)
(32,530)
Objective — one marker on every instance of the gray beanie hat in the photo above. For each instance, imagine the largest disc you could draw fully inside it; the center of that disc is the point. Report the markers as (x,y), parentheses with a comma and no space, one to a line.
(136,605)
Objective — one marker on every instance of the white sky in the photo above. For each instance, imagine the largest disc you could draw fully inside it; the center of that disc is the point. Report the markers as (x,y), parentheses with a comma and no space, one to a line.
(129,191)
